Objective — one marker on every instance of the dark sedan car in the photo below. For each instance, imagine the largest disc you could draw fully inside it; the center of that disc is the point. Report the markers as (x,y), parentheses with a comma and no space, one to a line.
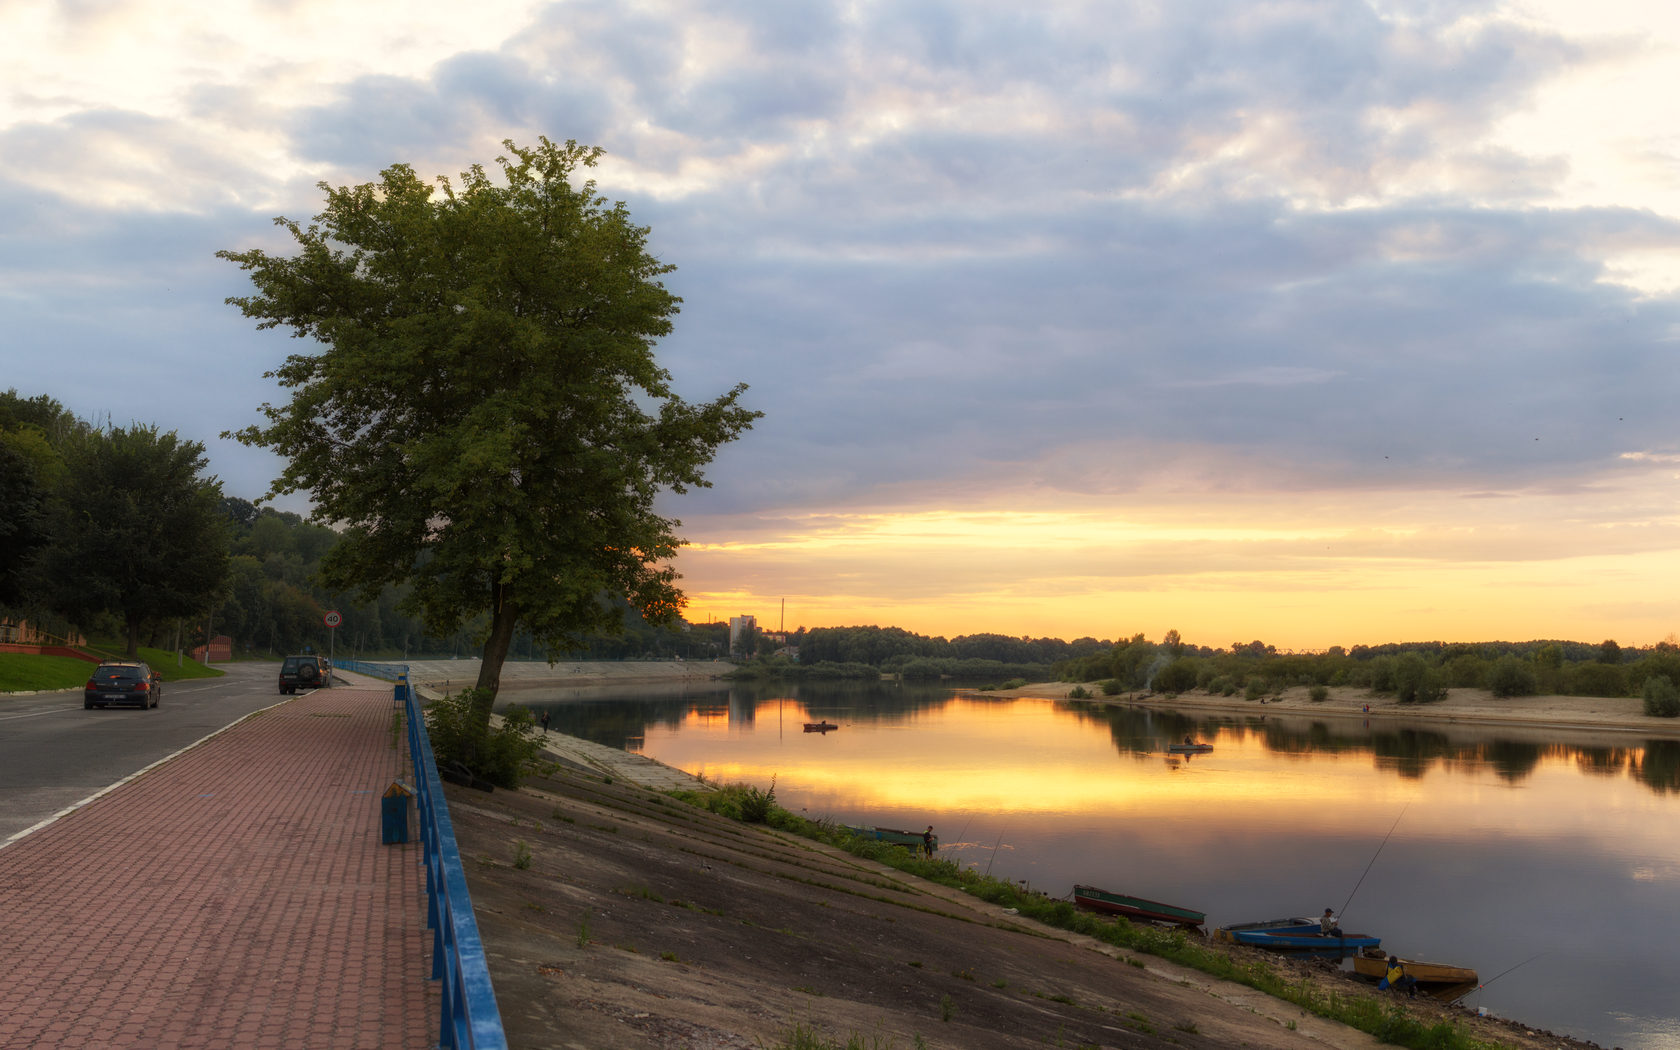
(122,682)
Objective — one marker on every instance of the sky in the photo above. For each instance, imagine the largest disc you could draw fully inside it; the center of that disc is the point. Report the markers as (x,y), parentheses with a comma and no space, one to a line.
(1315,322)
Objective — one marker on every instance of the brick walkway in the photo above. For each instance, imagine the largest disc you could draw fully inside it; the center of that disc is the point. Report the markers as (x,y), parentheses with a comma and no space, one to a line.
(237,896)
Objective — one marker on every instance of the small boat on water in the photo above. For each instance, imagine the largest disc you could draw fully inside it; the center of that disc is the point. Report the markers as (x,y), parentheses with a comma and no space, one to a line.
(820,727)
(1296,937)
(1441,981)
(1189,749)
(1092,899)
(908,839)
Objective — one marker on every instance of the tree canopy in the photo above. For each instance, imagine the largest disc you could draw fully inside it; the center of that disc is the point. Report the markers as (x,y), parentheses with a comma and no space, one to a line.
(483,416)
(137,529)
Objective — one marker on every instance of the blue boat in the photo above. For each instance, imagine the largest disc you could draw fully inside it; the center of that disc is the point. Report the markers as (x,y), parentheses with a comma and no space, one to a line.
(1296,937)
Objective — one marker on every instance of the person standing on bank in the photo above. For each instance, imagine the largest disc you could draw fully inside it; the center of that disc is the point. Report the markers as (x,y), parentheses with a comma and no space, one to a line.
(927,842)
(545,723)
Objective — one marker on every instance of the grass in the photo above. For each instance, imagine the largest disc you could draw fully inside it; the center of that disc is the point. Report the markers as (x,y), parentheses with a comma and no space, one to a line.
(1389,1023)
(26,672)
(23,673)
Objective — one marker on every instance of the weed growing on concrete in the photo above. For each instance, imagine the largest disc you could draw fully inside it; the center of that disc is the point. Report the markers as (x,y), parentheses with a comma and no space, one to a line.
(947,1008)
(583,931)
(521,855)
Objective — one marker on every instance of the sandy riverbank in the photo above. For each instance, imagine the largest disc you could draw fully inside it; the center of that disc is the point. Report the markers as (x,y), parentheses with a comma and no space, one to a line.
(1620,716)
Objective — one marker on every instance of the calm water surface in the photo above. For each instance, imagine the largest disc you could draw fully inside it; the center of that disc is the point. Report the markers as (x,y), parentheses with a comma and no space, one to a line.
(1510,851)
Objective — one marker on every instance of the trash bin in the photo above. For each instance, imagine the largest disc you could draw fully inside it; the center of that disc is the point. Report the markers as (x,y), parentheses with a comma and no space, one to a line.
(393,813)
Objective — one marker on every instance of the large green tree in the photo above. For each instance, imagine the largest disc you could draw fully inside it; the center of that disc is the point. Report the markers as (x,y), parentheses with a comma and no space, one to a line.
(482,413)
(137,529)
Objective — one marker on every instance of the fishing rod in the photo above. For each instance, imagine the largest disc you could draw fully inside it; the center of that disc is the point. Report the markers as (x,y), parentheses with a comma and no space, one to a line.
(1519,966)
(1343,913)
(995,846)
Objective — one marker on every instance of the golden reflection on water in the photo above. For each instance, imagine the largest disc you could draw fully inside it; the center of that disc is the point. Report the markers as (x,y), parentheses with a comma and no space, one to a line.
(1043,759)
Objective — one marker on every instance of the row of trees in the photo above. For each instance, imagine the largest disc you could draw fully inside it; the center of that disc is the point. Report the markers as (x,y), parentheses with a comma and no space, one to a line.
(107,527)
(1420,671)
(118,532)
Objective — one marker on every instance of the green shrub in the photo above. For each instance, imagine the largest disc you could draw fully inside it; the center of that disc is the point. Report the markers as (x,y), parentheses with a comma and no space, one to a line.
(1512,676)
(756,804)
(1662,699)
(1595,679)
(1318,693)
(920,671)
(1177,677)
(1079,692)
(461,741)
(1220,685)
(1256,688)
(1416,682)
(1111,687)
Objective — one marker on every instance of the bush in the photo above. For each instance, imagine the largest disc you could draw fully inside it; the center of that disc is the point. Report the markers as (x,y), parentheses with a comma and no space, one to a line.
(920,670)
(1662,699)
(1079,692)
(462,742)
(1177,677)
(1256,688)
(1415,682)
(1319,693)
(1595,679)
(1512,676)
(1111,687)
(756,804)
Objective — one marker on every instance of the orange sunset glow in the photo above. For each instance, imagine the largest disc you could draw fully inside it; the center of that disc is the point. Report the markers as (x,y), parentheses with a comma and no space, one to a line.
(1297,571)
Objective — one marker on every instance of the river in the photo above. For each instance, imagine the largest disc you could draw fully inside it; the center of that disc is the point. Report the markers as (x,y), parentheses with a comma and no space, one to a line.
(1549,862)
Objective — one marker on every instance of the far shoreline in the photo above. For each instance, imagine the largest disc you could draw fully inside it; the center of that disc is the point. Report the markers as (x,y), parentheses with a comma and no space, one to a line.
(1471,707)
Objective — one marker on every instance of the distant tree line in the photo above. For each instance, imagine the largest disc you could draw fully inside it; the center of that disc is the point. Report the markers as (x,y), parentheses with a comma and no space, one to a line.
(1419,672)
(119,534)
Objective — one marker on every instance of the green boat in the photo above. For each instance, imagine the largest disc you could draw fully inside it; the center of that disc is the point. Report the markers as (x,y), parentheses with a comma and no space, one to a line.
(908,839)
(1092,899)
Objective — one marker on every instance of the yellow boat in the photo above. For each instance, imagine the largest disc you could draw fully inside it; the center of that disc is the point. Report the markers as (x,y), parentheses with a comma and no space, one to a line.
(1437,980)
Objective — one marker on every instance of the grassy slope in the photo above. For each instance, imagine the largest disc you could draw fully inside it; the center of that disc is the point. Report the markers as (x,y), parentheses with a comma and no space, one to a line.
(21,672)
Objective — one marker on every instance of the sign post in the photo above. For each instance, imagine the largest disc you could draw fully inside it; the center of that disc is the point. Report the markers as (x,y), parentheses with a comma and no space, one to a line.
(332,620)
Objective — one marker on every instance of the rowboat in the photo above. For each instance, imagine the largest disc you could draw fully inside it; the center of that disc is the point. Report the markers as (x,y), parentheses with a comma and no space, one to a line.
(1092,899)
(820,727)
(908,839)
(1189,749)
(1436,980)
(1295,936)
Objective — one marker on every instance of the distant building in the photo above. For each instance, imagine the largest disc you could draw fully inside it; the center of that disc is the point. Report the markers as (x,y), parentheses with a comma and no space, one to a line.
(221,649)
(742,630)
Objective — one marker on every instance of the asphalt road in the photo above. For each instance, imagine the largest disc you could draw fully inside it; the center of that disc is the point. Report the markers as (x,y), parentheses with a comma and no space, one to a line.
(54,754)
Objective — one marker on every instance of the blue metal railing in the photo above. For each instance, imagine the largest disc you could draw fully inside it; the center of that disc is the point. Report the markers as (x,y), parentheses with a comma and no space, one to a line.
(470,1019)
(389,672)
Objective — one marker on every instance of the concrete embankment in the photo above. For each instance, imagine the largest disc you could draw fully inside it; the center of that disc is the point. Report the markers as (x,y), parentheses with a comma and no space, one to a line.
(614,916)
(517,675)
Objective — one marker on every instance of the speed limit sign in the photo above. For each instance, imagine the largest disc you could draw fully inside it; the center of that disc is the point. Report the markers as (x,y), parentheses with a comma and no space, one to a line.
(332,619)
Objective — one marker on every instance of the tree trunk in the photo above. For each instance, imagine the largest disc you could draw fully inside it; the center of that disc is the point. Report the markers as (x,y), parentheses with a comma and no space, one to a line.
(504,617)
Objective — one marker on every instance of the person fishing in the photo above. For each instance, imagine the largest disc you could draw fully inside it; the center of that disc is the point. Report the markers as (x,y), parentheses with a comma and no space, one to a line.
(1395,977)
(1327,924)
(927,842)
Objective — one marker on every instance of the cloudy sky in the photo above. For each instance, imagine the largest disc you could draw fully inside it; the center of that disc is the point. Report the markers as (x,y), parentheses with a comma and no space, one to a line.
(1315,322)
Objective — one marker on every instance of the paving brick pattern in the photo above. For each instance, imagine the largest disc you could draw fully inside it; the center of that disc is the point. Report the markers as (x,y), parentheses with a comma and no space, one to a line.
(237,896)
